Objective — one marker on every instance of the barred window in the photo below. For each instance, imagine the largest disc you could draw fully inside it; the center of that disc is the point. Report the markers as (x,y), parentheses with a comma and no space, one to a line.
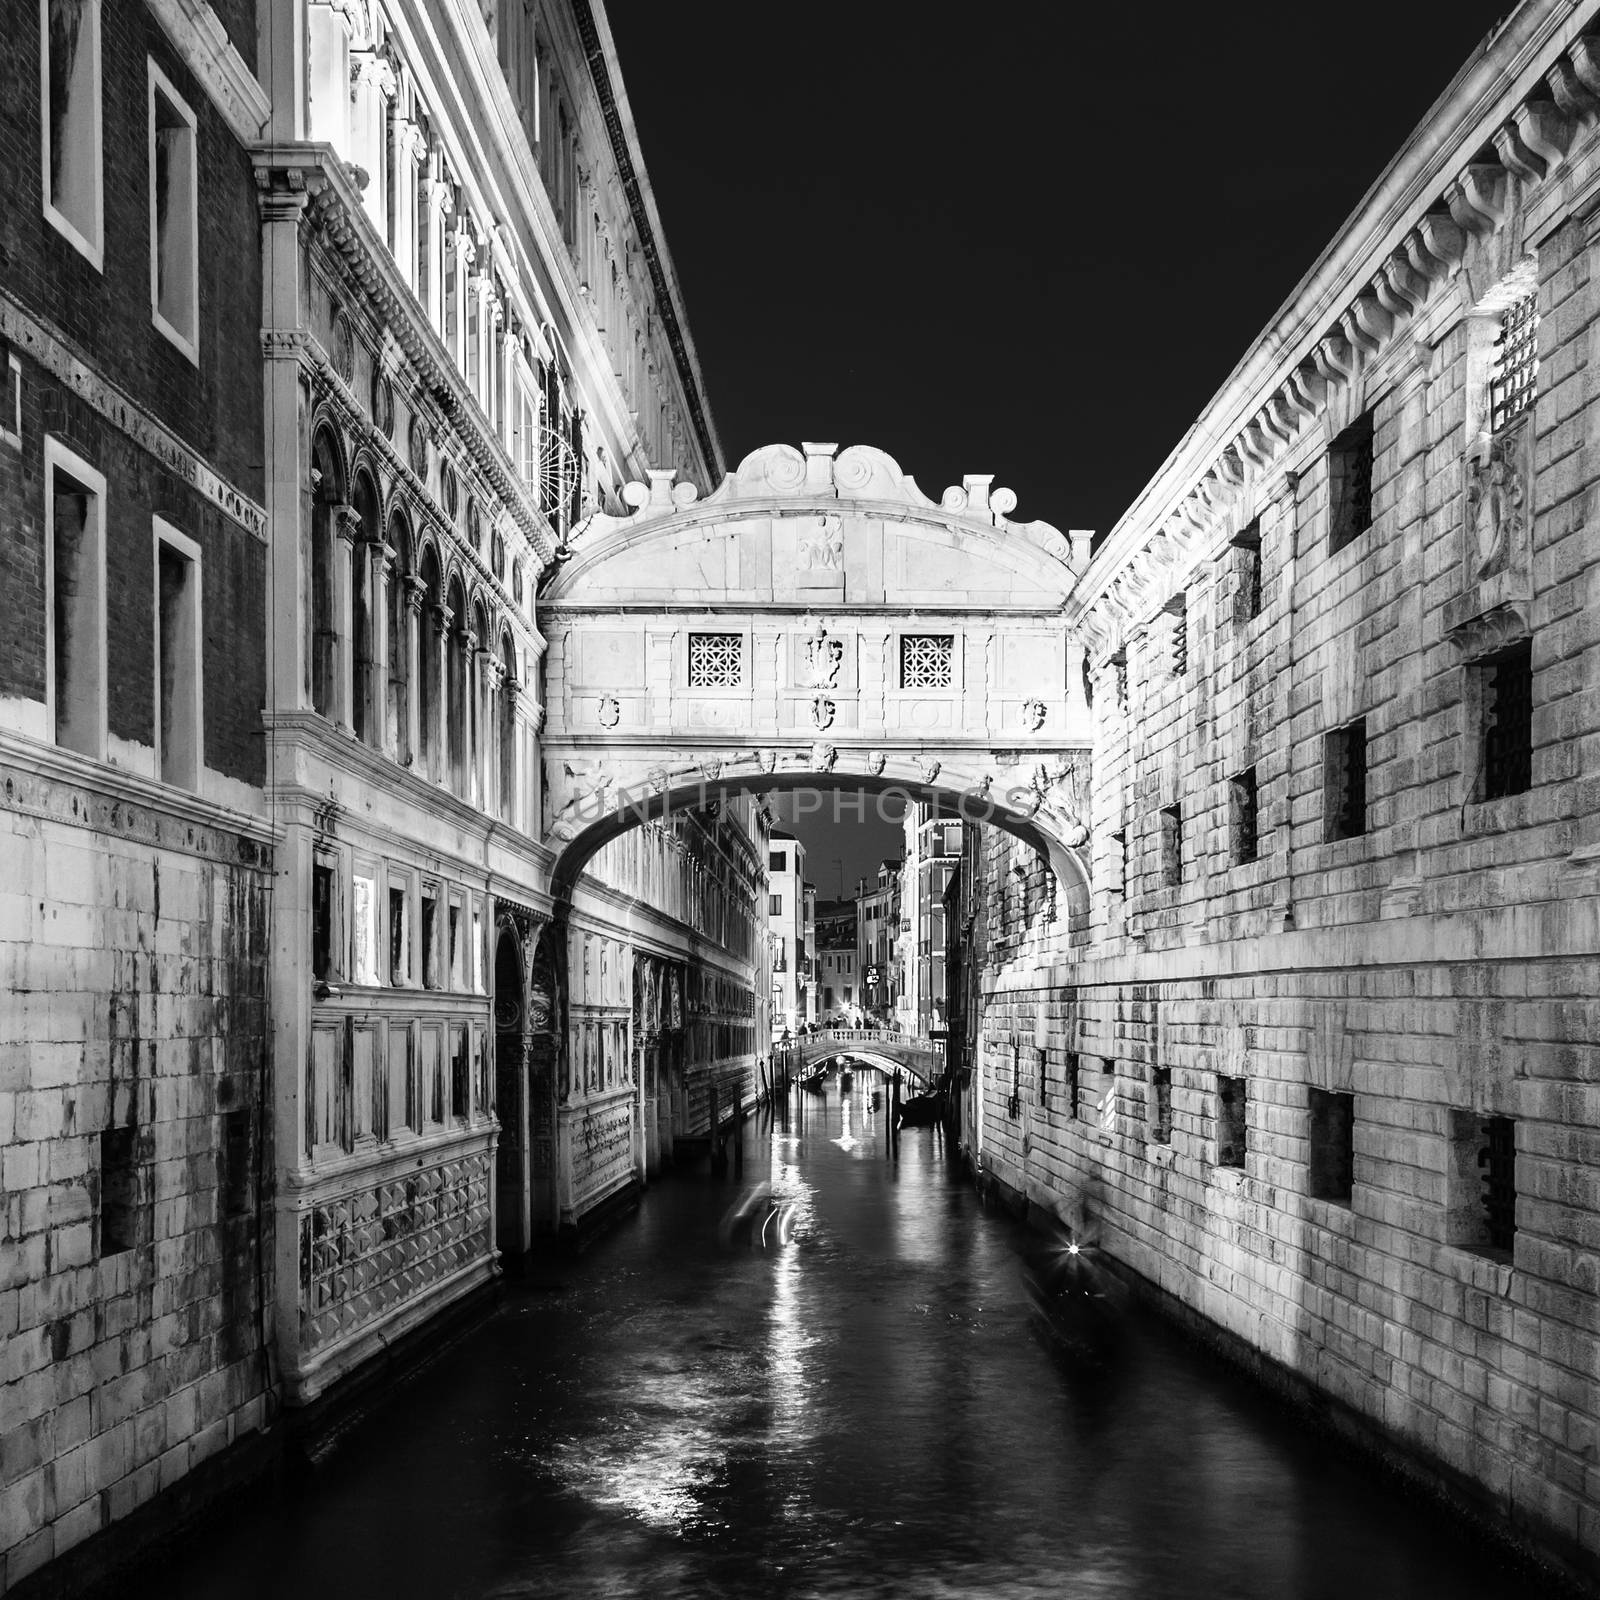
(1171,845)
(1247,573)
(1344,781)
(716,660)
(1242,838)
(1513,382)
(1350,483)
(927,661)
(1506,730)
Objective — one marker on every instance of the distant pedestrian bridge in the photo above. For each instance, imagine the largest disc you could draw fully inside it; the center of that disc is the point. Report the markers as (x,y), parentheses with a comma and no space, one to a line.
(885,1048)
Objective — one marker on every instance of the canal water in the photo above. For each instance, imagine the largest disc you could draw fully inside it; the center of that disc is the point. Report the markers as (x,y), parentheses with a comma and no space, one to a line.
(845,1394)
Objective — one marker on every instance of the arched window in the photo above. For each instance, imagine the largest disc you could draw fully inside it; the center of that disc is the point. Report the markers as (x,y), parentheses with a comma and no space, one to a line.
(327,492)
(479,650)
(364,710)
(429,722)
(509,685)
(397,707)
(456,713)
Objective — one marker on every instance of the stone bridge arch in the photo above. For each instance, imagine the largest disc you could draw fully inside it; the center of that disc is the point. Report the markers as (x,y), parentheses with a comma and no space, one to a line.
(816,622)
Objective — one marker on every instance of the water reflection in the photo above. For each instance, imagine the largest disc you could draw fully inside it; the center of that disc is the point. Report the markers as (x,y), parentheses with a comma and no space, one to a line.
(868,1406)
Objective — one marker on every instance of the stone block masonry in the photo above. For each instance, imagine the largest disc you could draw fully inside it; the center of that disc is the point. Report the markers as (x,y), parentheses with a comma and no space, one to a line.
(133,1268)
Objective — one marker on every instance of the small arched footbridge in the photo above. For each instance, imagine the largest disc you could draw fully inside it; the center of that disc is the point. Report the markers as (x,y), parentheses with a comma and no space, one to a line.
(884,1048)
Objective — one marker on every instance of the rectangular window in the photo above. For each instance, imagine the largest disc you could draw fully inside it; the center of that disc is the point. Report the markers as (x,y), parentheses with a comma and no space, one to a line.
(1171,846)
(927,660)
(716,660)
(1505,698)
(430,939)
(475,955)
(458,971)
(322,921)
(1513,379)
(1247,573)
(236,1178)
(119,1192)
(70,95)
(399,936)
(75,588)
(1333,1120)
(1161,1105)
(460,1081)
(1344,781)
(364,928)
(178,670)
(775,861)
(1231,1122)
(10,397)
(774,905)
(174,217)
(1177,629)
(1242,842)
(1070,1083)
(1350,483)
(1119,862)
(1482,1183)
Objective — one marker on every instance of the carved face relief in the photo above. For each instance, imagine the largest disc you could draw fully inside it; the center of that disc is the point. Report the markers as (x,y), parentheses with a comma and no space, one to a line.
(876,762)
(767,760)
(610,711)
(823,756)
(822,712)
(928,767)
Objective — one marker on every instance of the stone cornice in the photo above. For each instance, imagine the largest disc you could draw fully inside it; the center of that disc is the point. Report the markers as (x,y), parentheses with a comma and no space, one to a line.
(1527,95)
(194,31)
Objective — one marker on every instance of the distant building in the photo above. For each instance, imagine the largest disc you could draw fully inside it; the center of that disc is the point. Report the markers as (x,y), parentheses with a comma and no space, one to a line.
(786,930)
(877,936)
(933,847)
(837,982)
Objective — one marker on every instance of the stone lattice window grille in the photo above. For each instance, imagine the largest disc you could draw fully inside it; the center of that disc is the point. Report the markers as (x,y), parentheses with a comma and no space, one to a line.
(927,661)
(1514,375)
(1344,781)
(1243,839)
(716,660)
(1332,1141)
(1350,460)
(1505,726)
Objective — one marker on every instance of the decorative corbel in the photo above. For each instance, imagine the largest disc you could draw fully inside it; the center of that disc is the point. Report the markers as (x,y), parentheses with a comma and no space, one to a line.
(1310,386)
(1477,199)
(1335,359)
(1515,156)
(1230,467)
(1545,131)
(1406,290)
(1437,246)
(1575,100)
(1288,411)
(1358,333)
(1274,427)
(1584,54)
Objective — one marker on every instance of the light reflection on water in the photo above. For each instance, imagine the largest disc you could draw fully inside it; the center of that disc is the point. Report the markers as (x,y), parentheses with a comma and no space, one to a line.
(861,1409)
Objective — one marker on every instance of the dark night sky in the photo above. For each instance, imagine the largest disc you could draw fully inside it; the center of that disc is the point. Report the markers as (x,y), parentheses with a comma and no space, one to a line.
(1031,242)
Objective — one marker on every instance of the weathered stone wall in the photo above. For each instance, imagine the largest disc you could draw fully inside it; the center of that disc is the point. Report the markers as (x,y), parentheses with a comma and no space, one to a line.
(132,953)
(1424,960)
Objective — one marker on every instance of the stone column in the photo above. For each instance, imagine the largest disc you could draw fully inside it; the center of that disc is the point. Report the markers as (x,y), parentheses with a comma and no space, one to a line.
(494,674)
(346,527)
(410,151)
(439,767)
(512,803)
(372,86)
(440,203)
(467,643)
(411,734)
(380,576)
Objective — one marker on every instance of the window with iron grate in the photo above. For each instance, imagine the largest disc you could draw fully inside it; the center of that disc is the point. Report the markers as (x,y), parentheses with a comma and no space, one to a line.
(1171,845)
(1247,573)
(1514,377)
(1505,698)
(1482,1183)
(927,660)
(1178,634)
(1344,781)
(1161,1105)
(1071,1083)
(1350,483)
(716,660)
(1242,841)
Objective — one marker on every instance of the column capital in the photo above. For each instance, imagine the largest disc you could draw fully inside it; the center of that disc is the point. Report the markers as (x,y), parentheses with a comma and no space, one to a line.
(416,593)
(469,640)
(444,616)
(346,522)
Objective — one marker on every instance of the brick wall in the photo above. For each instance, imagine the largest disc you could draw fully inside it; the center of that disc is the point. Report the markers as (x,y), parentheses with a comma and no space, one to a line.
(136,976)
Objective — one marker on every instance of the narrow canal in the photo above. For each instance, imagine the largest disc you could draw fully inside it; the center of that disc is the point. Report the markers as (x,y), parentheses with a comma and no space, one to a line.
(861,1406)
